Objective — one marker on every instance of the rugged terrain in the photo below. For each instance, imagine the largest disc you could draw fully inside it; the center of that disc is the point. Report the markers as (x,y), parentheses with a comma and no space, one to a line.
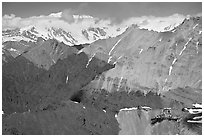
(171,65)
(140,82)
(84,28)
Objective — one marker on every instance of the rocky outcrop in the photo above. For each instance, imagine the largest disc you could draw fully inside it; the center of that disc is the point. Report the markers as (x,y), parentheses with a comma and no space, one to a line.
(25,86)
(166,58)
(32,95)
(56,89)
(49,53)
(148,60)
(168,65)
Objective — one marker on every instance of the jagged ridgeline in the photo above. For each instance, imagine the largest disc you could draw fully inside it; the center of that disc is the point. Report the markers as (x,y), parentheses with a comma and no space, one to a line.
(158,70)
(49,87)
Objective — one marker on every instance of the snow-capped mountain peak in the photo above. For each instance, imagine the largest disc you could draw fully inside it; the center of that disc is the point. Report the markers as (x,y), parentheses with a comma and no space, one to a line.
(84,29)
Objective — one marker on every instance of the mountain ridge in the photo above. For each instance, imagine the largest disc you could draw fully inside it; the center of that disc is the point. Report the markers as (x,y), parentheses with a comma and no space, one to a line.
(48,84)
(84,29)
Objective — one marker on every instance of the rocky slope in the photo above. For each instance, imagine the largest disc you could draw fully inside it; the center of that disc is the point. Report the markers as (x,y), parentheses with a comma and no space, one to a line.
(49,87)
(169,60)
(167,64)
(40,101)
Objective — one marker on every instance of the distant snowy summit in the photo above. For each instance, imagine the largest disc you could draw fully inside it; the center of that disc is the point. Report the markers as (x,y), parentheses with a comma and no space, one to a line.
(83,28)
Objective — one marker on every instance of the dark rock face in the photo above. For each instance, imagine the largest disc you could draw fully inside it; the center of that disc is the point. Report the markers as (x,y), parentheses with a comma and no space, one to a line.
(37,98)
(30,94)
(77,96)
(67,97)
(25,85)
(167,63)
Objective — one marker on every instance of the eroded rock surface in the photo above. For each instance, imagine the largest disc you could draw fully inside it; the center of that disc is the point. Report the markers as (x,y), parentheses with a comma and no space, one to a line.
(51,88)
(147,59)
(167,65)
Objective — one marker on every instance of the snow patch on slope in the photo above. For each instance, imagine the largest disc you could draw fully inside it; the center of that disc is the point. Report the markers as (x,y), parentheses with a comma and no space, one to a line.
(45,26)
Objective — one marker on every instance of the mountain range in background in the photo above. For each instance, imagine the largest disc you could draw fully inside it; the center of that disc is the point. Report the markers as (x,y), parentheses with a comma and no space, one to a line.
(83,29)
(86,75)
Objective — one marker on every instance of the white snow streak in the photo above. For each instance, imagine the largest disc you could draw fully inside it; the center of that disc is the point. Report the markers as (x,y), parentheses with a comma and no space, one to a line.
(109,59)
(174,61)
(67,78)
(114,47)
(80,51)
(197,117)
(197,105)
(135,108)
(197,47)
(195,26)
(114,62)
(170,69)
(191,121)
(140,51)
(185,46)
(90,60)
(200,31)
(128,109)
(53,60)
(120,57)
(194,111)
(12,49)
(188,41)
(117,60)
(75,102)
(145,107)
(182,50)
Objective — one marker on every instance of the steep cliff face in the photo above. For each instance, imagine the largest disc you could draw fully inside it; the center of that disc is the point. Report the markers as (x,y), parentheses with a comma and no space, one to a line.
(51,88)
(161,61)
(159,70)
